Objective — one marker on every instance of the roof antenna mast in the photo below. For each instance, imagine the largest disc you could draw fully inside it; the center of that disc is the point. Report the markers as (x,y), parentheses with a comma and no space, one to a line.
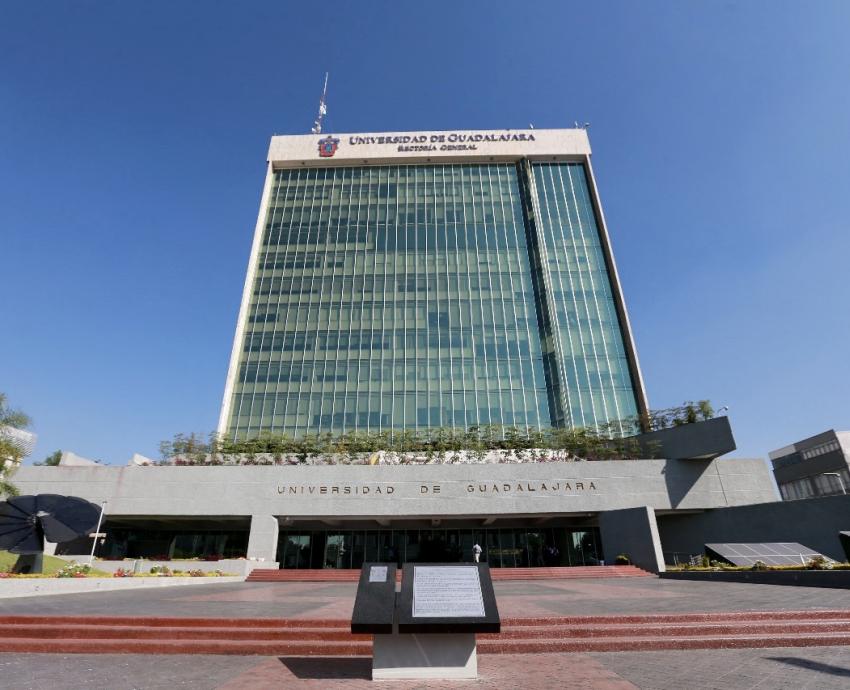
(323,109)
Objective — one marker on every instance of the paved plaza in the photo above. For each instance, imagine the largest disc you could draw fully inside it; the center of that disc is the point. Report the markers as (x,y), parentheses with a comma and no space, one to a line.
(821,668)
(524,599)
(726,669)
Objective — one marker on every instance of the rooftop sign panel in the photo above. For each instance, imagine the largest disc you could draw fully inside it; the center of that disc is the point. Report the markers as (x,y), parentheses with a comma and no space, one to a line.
(501,144)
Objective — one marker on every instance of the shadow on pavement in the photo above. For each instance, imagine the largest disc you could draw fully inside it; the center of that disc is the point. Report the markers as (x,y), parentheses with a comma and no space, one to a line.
(328,667)
(810,665)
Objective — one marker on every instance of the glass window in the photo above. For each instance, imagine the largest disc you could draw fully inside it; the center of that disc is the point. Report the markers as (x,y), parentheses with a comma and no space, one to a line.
(425,271)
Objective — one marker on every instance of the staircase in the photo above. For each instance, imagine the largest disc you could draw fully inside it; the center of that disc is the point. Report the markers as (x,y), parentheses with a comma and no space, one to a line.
(332,637)
(331,575)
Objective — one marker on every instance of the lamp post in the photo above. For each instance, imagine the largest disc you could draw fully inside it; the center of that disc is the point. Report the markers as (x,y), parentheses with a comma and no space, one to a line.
(840,480)
(97,533)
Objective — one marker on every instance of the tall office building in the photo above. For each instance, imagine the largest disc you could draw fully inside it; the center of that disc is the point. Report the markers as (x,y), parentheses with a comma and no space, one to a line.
(425,279)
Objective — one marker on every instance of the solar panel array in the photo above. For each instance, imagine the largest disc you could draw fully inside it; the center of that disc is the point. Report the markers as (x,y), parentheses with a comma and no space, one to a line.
(779,553)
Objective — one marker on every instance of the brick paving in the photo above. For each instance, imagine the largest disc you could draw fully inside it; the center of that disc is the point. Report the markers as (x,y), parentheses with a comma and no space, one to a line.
(823,668)
(515,599)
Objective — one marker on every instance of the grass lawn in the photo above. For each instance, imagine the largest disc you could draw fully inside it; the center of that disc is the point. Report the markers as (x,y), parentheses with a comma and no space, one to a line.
(51,564)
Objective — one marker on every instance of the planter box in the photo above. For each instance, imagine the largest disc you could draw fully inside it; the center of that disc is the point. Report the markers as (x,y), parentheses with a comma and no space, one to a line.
(697,441)
(231,566)
(838,579)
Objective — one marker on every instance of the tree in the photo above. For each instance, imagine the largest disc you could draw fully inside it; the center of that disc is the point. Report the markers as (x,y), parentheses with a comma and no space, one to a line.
(11,449)
(51,460)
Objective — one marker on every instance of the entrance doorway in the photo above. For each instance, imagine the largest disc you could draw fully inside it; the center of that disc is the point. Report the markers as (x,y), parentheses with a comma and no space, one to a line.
(512,547)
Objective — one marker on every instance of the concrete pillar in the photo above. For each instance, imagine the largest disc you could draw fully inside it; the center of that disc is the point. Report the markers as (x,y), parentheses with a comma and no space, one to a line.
(634,532)
(262,540)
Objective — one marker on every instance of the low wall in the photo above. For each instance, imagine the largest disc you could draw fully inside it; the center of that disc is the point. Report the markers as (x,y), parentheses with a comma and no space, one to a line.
(25,587)
(812,522)
(241,567)
(837,579)
(633,532)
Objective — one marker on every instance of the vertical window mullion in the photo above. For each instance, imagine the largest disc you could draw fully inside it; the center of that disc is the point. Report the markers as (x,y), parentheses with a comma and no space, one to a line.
(605,346)
(562,199)
(549,236)
(300,320)
(272,353)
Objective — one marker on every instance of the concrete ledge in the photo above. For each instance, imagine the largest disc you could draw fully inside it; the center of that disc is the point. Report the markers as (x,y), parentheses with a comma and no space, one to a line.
(13,588)
(704,440)
(837,579)
(234,566)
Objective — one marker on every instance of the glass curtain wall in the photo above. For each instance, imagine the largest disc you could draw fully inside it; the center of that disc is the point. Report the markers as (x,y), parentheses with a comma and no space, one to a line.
(514,547)
(391,297)
(129,542)
(594,373)
(402,297)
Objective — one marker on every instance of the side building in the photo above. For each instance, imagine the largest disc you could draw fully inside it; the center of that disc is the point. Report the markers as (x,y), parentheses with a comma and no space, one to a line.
(816,466)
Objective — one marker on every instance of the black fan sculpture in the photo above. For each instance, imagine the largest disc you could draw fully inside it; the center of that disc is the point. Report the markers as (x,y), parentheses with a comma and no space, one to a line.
(25,521)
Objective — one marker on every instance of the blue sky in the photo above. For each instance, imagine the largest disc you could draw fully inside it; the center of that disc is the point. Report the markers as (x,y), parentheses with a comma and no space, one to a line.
(132,147)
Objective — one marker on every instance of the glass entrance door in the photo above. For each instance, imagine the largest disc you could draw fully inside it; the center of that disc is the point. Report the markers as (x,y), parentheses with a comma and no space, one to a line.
(514,547)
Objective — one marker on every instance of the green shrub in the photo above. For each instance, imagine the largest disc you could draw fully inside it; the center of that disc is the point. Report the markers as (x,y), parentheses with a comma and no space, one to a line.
(819,563)
(622,559)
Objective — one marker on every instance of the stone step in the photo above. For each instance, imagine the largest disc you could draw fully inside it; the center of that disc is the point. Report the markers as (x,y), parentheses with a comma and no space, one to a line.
(687,617)
(103,632)
(331,648)
(307,624)
(343,633)
(631,643)
(332,637)
(96,645)
(696,629)
(175,622)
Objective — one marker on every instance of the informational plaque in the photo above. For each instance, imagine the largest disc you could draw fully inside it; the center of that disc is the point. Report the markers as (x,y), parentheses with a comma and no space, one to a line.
(374,604)
(447,591)
(378,573)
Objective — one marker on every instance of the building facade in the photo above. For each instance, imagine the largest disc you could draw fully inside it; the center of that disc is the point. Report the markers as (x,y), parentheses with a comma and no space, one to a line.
(340,516)
(816,466)
(417,280)
(430,279)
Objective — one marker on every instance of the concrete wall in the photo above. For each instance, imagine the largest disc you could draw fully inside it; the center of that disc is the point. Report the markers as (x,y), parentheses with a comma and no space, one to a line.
(632,531)
(835,579)
(262,539)
(705,440)
(813,522)
(483,490)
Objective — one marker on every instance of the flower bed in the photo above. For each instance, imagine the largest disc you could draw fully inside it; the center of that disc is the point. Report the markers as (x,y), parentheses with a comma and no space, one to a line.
(78,570)
(818,563)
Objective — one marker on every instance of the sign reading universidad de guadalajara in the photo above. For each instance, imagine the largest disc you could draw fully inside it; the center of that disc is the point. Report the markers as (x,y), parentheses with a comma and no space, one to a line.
(511,488)
(441,141)
(373,147)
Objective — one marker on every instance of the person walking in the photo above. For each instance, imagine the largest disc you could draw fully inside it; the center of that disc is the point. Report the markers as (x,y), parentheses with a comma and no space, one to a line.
(476,552)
